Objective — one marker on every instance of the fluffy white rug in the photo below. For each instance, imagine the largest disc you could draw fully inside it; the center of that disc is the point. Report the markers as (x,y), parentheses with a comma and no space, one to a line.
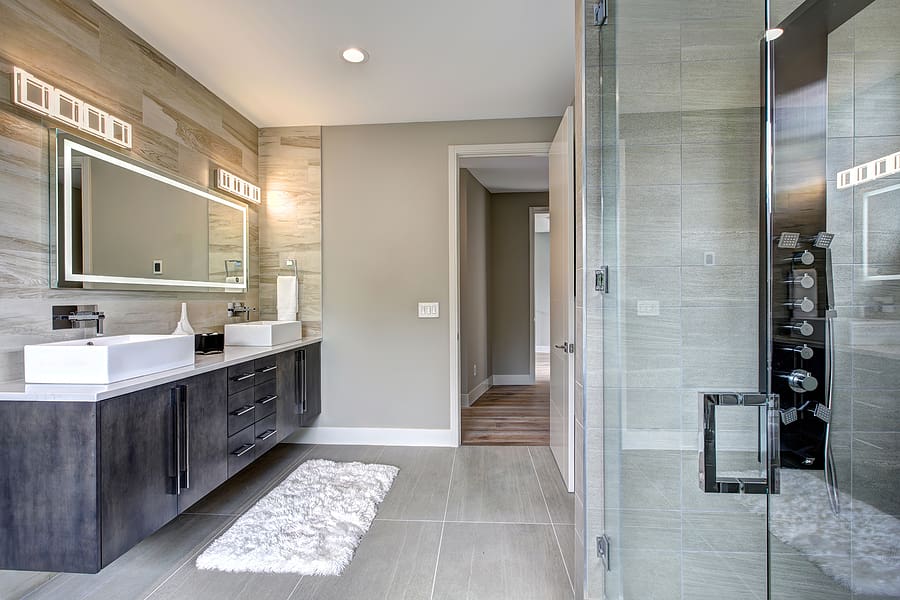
(310,524)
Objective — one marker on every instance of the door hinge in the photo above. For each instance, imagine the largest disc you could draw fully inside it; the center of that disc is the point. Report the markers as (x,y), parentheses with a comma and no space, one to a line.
(603,550)
(600,13)
(601,280)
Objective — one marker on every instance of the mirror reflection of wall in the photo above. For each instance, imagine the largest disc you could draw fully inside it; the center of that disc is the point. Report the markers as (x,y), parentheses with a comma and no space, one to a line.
(130,221)
(127,222)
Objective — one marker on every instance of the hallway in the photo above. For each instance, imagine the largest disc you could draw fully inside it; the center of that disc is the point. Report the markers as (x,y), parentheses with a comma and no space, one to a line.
(511,415)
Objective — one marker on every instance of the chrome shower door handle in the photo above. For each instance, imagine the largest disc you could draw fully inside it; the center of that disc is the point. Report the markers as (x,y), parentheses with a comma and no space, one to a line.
(710,482)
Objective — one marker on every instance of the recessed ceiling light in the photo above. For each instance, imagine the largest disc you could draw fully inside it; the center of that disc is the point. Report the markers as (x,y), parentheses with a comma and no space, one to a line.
(774,33)
(355,55)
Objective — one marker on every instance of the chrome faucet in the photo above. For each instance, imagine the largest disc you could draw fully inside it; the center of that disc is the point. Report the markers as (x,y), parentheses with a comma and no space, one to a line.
(68,317)
(239,308)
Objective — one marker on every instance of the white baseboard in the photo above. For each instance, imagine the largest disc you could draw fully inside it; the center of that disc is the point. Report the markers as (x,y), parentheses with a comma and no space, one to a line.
(542,349)
(479,391)
(375,436)
(525,379)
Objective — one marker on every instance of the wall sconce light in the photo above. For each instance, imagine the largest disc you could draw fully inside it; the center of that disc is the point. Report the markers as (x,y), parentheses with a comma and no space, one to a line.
(233,184)
(869,171)
(43,98)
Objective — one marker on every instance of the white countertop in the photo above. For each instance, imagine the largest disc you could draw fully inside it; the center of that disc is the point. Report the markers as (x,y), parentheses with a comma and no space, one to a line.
(233,355)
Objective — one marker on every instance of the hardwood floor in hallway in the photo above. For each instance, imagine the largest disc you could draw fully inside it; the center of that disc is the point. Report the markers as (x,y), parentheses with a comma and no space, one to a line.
(511,415)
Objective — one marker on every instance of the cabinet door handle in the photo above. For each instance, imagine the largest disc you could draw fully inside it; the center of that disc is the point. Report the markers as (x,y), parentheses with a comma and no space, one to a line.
(266,400)
(176,441)
(186,425)
(243,411)
(303,383)
(268,369)
(244,377)
(244,449)
(267,434)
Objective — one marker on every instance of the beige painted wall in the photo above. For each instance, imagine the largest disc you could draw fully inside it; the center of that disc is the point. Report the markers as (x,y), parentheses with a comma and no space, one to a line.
(474,275)
(385,248)
(510,288)
(179,126)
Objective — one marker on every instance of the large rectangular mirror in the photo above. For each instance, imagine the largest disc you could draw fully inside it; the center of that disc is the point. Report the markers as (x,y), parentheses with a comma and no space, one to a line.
(118,223)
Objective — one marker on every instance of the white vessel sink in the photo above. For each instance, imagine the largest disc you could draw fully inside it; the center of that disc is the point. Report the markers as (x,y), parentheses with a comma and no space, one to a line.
(263,333)
(105,360)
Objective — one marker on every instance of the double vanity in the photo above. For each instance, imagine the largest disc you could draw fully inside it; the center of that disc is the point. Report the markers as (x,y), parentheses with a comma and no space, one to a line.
(91,470)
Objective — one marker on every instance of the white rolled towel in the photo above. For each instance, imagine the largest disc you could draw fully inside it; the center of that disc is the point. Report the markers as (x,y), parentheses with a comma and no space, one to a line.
(286,294)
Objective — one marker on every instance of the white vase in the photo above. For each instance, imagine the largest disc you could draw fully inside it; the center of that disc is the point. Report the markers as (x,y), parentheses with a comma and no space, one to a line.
(184,326)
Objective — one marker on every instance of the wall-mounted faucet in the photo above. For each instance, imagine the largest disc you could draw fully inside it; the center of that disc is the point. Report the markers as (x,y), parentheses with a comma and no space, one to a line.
(239,308)
(70,317)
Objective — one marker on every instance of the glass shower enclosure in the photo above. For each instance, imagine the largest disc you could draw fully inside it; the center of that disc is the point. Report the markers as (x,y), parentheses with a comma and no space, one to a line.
(743,187)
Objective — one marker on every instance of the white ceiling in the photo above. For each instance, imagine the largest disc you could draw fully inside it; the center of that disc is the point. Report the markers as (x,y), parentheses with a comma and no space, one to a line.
(278,61)
(504,174)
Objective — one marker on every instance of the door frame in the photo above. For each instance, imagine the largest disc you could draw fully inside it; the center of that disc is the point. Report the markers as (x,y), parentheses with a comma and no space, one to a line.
(532,211)
(455,153)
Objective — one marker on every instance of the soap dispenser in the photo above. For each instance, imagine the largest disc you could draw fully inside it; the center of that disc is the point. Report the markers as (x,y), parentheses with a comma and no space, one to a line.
(184,326)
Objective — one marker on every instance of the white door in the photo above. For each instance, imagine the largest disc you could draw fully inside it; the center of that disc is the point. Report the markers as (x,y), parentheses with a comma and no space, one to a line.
(562,299)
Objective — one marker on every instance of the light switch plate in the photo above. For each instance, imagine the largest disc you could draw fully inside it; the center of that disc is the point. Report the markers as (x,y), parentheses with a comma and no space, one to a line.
(429,310)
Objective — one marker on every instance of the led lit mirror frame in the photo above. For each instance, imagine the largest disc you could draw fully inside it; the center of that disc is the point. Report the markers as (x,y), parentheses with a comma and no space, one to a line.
(62,273)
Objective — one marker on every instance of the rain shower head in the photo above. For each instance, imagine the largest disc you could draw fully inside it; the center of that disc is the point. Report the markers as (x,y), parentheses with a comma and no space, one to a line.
(822,239)
(788,239)
(822,412)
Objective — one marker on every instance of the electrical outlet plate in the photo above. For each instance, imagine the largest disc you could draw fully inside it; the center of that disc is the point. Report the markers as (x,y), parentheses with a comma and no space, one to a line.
(648,308)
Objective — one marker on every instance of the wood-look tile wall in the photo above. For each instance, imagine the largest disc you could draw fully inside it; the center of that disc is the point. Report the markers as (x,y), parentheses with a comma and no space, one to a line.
(290,172)
(179,126)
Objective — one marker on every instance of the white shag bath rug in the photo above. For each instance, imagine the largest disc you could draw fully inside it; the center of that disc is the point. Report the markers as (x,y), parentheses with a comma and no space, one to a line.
(310,524)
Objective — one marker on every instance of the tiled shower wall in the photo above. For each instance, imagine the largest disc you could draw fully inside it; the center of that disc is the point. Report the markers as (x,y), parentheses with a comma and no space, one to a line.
(675,129)
(290,173)
(178,124)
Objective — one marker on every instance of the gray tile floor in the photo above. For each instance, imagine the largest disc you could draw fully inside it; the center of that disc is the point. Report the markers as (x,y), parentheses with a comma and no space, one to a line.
(474,523)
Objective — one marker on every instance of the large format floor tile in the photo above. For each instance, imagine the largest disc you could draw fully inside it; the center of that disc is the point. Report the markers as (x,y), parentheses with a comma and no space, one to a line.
(488,561)
(497,485)
(420,489)
(395,560)
(560,502)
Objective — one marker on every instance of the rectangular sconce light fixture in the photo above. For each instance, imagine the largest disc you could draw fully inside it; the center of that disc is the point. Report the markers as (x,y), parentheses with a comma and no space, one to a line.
(233,184)
(43,98)
(870,171)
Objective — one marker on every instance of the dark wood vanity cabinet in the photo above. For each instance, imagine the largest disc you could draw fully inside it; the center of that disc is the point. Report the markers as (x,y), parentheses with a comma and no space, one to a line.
(82,482)
(310,378)
(202,401)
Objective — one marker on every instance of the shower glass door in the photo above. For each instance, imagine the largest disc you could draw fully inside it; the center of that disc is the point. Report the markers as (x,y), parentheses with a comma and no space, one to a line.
(834,328)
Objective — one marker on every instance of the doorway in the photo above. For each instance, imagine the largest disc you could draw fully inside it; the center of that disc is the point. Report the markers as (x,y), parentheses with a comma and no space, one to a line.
(503,374)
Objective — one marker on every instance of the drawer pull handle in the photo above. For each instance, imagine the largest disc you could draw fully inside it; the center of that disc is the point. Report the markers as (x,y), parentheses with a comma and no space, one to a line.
(268,369)
(266,434)
(244,377)
(243,411)
(244,449)
(267,399)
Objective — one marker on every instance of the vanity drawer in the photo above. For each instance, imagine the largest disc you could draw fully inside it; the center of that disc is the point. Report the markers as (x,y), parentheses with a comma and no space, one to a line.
(265,433)
(241,377)
(241,410)
(241,450)
(265,368)
(265,399)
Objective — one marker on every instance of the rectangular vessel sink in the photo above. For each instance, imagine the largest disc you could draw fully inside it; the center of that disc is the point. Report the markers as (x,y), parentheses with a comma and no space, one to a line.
(263,333)
(105,360)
